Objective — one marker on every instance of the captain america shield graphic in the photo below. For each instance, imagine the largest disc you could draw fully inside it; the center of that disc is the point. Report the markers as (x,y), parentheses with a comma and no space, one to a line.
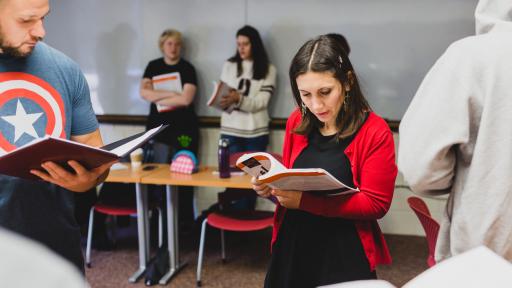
(30,108)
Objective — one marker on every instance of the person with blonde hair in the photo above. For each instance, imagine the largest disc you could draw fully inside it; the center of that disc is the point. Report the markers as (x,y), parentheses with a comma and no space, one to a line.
(177,109)
(177,106)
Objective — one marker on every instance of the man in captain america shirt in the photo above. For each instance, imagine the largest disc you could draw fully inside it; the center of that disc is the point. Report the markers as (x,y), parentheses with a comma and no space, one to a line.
(42,92)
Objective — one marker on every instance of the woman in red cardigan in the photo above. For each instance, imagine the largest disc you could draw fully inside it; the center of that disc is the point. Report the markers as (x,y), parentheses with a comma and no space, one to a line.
(321,239)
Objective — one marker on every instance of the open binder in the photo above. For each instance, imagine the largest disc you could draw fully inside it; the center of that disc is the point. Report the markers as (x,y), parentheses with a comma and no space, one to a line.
(19,162)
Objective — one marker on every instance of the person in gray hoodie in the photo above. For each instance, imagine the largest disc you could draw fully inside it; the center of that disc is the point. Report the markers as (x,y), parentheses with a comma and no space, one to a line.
(456,136)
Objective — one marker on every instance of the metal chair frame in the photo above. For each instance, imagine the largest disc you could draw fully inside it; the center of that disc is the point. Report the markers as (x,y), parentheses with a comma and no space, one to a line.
(91,225)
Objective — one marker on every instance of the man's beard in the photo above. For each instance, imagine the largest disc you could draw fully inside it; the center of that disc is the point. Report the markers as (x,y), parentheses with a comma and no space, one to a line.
(12,51)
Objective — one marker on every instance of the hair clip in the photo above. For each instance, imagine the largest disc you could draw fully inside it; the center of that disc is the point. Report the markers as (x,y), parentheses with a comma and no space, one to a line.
(340,61)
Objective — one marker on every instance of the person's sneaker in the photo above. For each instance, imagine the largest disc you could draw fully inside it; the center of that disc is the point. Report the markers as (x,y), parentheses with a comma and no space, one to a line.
(157,267)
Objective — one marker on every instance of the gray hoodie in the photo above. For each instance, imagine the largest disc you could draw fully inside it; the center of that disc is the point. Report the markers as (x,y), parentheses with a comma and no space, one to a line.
(456,136)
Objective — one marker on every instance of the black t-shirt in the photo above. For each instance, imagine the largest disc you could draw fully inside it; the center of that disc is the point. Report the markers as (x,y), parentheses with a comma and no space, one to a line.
(183,120)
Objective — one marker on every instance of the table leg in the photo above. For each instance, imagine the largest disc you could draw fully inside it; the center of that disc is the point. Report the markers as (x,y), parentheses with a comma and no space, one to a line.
(142,230)
(172,235)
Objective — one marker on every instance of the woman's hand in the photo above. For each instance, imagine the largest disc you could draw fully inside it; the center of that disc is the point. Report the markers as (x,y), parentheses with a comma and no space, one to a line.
(262,189)
(288,199)
(229,99)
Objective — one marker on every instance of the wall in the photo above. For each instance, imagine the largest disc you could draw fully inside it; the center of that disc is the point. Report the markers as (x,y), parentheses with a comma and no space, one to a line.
(394,42)
(399,220)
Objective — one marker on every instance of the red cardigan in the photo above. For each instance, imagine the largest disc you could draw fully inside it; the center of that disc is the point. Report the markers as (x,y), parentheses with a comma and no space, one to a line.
(372,158)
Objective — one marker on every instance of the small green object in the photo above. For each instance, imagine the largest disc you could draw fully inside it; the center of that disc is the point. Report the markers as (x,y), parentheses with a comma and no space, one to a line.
(184,140)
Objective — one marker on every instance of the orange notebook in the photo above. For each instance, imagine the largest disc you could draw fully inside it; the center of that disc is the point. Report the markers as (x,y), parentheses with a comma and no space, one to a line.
(167,82)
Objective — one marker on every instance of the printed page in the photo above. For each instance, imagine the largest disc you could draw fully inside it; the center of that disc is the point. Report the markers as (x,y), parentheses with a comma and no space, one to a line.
(314,179)
(168,82)
(259,164)
(276,175)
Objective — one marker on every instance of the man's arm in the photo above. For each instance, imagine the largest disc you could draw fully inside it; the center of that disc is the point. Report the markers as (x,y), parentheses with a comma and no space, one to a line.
(437,123)
(184,98)
(149,94)
(92,139)
(82,179)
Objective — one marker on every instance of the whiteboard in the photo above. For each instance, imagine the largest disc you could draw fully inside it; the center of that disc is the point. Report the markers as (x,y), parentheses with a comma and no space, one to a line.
(394,42)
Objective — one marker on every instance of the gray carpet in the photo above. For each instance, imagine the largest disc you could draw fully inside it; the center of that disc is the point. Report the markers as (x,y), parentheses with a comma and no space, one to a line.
(248,255)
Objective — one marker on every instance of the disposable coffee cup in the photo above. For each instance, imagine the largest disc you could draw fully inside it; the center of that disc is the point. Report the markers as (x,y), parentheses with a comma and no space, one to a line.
(136,158)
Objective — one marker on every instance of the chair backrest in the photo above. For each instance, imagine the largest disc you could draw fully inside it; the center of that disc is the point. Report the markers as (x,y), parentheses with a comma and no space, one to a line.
(430,225)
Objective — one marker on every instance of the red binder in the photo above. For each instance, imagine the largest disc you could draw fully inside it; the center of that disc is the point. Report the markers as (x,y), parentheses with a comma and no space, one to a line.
(19,162)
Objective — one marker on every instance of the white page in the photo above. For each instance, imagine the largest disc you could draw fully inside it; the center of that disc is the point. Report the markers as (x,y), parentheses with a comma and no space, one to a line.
(478,267)
(168,82)
(125,148)
(171,82)
(258,167)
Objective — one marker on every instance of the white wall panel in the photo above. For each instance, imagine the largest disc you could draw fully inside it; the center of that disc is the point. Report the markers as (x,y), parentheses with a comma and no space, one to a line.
(394,42)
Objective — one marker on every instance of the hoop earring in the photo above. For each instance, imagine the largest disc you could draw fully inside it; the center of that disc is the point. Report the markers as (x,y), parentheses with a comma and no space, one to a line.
(303,109)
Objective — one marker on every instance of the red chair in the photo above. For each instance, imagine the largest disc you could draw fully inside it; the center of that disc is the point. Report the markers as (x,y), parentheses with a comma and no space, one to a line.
(430,225)
(233,220)
(115,211)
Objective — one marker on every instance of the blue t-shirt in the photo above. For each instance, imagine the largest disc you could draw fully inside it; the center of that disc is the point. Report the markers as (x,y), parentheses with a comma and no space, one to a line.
(42,94)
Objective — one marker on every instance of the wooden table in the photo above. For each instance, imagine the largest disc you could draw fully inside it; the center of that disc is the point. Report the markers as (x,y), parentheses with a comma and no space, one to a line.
(129,175)
(204,178)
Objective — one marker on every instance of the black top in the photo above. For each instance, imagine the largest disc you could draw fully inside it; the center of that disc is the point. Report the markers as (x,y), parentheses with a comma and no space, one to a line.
(320,153)
(182,120)
(313,250)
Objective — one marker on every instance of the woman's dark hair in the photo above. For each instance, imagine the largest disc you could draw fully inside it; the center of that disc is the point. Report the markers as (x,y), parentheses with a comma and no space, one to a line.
(325,54)
(342,40)
(259,55)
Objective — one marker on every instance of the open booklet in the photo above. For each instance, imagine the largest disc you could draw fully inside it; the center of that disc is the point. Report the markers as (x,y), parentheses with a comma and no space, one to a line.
(271,172)
(478,267)
(19,162)
(220,89)
(168,82)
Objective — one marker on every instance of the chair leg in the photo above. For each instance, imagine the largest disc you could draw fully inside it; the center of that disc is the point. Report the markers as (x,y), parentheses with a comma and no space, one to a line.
(160,228)
(114,229)
(201,251)
(89,238)
(223,246)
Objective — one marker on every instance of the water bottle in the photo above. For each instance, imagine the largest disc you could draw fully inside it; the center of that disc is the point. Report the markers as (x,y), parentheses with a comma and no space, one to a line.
(224,158)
